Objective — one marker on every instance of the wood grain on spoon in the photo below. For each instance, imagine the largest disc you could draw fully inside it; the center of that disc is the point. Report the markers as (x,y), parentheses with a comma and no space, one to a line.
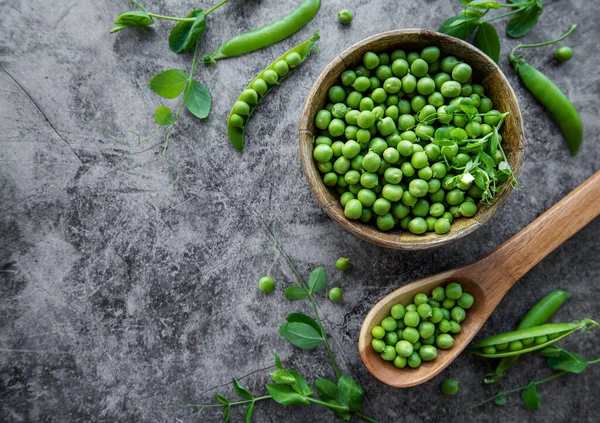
(488,280)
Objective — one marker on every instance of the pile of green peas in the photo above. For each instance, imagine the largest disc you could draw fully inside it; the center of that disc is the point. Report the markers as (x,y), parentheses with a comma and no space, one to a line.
(376,142)
(412,334)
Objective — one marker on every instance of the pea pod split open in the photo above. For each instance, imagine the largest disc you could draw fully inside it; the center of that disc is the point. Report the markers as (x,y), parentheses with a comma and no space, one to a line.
(497,346)
(554,100)
(271,76)
(266,35)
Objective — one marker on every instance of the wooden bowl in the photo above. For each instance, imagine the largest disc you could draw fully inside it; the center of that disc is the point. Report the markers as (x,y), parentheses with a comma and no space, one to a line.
(485,72)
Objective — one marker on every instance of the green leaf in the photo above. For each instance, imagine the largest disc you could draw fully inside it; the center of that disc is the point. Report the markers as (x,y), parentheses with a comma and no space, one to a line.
(317,279)
(283,376)
(500,400)
(351,394)
(303,318)
(240,389)
(248,412)
(293,379)
(458,134)
(522,22)
(480,182)
(278,362)
(285,395)
(294,293)
(163,116)
(326,389)
(469,109)
(226,413)
(197,99)
(569,362)
(487,40)
(169,84)
(185,35)
(221,398)
(487,160)
(461,31)
(131,19)
(484,4)
(494,142)
(531,397)
(301,335)
(472,13)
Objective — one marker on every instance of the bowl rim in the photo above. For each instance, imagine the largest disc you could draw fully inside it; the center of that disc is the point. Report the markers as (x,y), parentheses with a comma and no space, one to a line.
(370,233)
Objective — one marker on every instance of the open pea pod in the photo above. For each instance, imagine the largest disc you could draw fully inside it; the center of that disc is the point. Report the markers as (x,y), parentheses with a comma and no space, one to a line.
(260,86)
(497,346)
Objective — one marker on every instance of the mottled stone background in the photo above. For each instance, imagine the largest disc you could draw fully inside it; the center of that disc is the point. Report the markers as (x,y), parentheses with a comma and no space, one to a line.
(122,296)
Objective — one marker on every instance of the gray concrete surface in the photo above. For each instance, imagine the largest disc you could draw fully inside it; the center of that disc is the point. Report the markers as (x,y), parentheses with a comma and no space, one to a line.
(123,297)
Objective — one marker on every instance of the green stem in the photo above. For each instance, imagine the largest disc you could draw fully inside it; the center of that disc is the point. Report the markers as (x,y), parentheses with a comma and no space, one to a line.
(312,300)
(562,37)
(504,15)
(215,7)
(517,5)
(328,405)
(231,403)
(366,418)
(539,382)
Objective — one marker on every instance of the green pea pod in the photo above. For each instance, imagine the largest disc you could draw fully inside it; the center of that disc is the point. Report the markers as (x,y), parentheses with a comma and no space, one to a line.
(553,333)
(266,35)
(546,91)
(261,85)
(539,314)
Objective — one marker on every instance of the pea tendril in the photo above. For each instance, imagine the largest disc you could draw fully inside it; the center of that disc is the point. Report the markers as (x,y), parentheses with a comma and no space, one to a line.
(562,37)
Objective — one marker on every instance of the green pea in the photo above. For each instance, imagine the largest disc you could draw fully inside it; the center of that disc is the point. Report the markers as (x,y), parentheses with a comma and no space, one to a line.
(281,67)
(386,126)
(366,216)
(492,117)
(465,301)
(419,67)
(502,346)
(418,187)
(438,293)
(411,335)
(345,16)
(444,341)
(417,226)
(353,209)
(325,167)
(323,119)
(369,180)
(241,108)
(425,173)
(448,303)
(404,348)
(453,291)
(485,105)
(381,206)
(270,76)
(540,339)
(454,327)
(370,60)
(450,89)
(412,319)
(430,54)
(563,54)
(399,210)
(400,67)
(378,332)
(446,313)
(442,226)
(409,83)
(260,86)
(436,315)
(250,96)
(450,387)
(467,209)
(398,311)
(367,104)
(428,352)
(527,341)
(462,72)
(393,85)
(489,349)
(293,59)
(345,197)
(322,153)
(425,86)
(458,314)
(414,360)
(266,284)
(389,353)
(389,324)
(348,77)
(236,120)
(455,197)
(448,63)
(378,345)
(391,338)
(444,326)
(361,70)
(417,103)
(365,119)
(392,193)
(426,329)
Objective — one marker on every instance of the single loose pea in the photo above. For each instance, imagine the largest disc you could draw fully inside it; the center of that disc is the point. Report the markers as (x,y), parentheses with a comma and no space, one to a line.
(404,348)
(378,345)
(369,180)
(462,72)
(417,226)
(400,362)
(398,311)
(260,86)
(419,67)
(465,300)
(389,353)
(444,341)
(418,187)
(345,16)
(386,126)
(426,329)
(448,63)
(420,298)
(409,83)
(385,222)
(438,293)
(455,197)
(323,119)
(241,108)
(343,263)
(454,327)
(322,153)
(458,314)
(330,178)
(419,160)
(411,307)
(450,387)
(353,209)
(391,338)
(365,119)
(383,72)
(370,60)
(430,54)
(442,226)
(400,67)
(468,209)
(563,53)
(393,85)
(345,197)
(412,318)
(266,284)
(389,324)
(444,326)
(366,197)
(392,193)
(453,291)
(335,294)
(381,206)
(348,77)
(411,335)
(450,89)
(425,86)
(378,332)
(436,315)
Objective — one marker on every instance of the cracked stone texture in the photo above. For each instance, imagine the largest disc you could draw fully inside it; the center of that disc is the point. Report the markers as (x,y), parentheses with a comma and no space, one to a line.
(123,297)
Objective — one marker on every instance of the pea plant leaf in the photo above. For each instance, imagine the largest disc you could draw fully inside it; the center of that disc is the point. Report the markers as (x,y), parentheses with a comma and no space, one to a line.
(131,19)
(351,394)
(185,35)
(567,361)
(522,22)
(294,293)
(301,335)
(163,116)
(278,362)
(500,400)
(285,395)
(226,412)
(472,13)
(303,318)
(326,389)
(531,397)
(248,413)
(487,40)
(197,99)
(240,389)
(169,84)
(317,279)
(221,398)
(462,30)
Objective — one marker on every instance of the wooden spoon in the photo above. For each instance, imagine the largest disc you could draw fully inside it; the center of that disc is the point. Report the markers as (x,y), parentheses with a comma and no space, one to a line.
(488,280)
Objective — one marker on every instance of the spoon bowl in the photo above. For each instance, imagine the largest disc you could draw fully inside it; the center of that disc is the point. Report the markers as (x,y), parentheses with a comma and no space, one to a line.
(487,280)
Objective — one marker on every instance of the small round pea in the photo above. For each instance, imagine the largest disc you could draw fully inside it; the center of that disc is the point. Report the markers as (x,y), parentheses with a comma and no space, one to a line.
(527,341)
(391,338)
(458,314)
(450,89)
(417,226)
(378,332)
(381,206)
(442,226)
(425,86)
(392,192)
(351,149)
(563,53)
(236,120)
(293,59)
(378,345)
(455,197)
(335,294)
(250,96)
(419,160)
(393,85)
(345,197)
(281,67)
(448,304)
(411,335)
(468,209)
(420,298)
(404,348)
(438,293)
(348,77)
(448,63)
(345,16)
(322,153)
(400,362)
(386,126)
(411,307)
(453,291)
(365,119)
(426,329)
(419,67)
(270,76)
(465,300)
(383,72)
(353,209)
(385,222)
(450,387)
(444,341)
(241,108)
(436,315)
(489,349)
(389,324)
(444,326)
(428,352)
(462,73)
(485,105)
(454,327)
(343,263)
(418,187)
(323,119)
(430,54)
(398,311)
(266,284)
(515,345)
(330,178)
(414,360)
(370,60)
(369,180)
(260,86)
(409,83)
(412,319)
(400,67)
(389,353)
(366,197)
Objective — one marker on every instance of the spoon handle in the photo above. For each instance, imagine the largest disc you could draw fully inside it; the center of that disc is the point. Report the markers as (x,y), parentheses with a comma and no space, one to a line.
(497,272)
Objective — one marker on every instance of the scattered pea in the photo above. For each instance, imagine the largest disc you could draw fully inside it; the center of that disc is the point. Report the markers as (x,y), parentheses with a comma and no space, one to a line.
(266,284)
